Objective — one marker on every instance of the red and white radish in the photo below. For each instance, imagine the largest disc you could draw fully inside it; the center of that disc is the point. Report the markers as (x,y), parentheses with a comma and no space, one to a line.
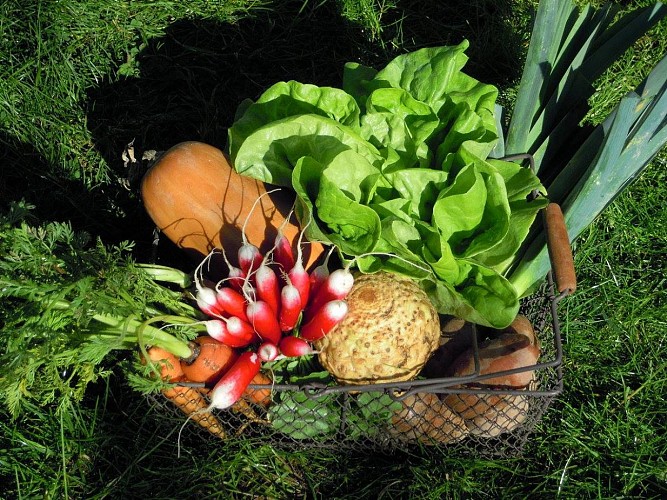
(267,287)
(290,307)
(264,321)
(268,351)
(292,346)
(320,274)
(231,302)
(218,330)
(336,287)
(324,320)
(282,253)
(231,385)
(249,258)
(298,276)
(207,301)
(239,328)
(205,296)
(235,277)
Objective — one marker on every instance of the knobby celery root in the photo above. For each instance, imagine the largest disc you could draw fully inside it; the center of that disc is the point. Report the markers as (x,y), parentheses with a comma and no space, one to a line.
(389,332)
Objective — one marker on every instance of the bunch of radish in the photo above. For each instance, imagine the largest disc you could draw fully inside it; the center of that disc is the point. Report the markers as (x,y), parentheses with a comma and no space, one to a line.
(269,307)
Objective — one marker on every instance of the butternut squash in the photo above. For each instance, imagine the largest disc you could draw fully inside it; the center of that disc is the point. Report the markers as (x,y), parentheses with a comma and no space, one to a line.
(196,199)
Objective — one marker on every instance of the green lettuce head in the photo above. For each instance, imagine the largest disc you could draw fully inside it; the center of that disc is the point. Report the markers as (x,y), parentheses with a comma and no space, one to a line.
(395,170)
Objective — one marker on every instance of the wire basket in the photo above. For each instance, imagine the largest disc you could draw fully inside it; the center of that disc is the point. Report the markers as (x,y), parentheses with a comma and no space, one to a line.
(465,414)
(452,412)
(460,413)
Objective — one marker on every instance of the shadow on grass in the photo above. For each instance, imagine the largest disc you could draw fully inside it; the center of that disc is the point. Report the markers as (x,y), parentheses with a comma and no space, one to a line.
(192,79)
(26,174)
(109,211)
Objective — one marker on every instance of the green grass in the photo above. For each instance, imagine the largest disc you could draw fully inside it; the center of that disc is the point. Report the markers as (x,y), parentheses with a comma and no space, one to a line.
(81,79)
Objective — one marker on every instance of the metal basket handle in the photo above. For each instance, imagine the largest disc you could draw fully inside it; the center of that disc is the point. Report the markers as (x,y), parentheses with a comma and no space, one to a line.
(560,251)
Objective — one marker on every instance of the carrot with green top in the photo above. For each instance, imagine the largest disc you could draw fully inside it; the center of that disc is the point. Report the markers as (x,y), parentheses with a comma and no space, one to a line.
(189,400)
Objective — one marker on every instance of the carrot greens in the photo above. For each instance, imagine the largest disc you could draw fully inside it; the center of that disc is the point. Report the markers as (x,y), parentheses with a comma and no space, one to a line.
(68,303)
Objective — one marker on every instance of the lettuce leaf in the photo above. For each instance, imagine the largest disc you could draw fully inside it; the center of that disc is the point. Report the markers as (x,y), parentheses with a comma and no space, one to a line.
(270,153)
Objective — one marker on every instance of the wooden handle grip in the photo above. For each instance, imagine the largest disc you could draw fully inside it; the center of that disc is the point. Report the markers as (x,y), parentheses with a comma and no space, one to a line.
(560,252)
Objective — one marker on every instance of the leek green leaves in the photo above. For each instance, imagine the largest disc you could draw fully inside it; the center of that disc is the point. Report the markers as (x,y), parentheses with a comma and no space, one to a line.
(583,168)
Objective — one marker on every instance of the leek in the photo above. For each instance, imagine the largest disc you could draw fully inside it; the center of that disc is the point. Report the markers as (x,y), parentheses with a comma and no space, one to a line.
(583,168)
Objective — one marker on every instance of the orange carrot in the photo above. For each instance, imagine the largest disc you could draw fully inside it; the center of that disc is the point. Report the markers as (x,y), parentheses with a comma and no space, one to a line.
(193,404)
(169,364)
(190,401)
(211,360)
(259,396)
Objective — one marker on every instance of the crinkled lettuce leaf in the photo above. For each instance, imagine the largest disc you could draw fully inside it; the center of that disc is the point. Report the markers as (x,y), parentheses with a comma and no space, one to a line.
(270,153)
(284,99)
(393,169)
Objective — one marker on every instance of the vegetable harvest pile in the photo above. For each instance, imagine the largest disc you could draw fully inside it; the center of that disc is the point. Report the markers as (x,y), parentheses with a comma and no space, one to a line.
(379,233)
